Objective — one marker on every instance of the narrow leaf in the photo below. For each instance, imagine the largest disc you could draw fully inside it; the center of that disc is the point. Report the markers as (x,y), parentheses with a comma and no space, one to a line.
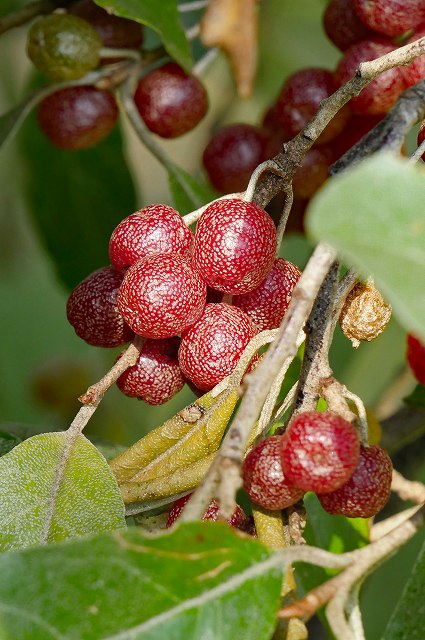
(202,581)
(56,486)
(373,216)
(187,192)
(161,16)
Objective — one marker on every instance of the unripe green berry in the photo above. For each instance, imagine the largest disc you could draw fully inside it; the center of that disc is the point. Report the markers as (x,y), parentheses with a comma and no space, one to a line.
(63,47)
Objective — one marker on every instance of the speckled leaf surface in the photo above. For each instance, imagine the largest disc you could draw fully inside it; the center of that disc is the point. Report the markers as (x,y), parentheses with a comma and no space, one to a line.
(53,487)
(201,582)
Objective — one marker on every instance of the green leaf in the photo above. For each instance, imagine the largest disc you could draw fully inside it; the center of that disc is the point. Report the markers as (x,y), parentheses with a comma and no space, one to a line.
(161,16)
(407,619)
(7,442)
(187,193)
(373,216)
(417,397)
(200,582)
(76,199)
(56,486)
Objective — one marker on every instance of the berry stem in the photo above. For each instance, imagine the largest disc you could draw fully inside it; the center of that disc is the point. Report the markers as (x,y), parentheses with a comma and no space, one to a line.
(133,54)
(408,489)
(363,428)
(267,165)
(289,199)
(203,63)
(185,7)
(95,392)
(418,153)
(193,216)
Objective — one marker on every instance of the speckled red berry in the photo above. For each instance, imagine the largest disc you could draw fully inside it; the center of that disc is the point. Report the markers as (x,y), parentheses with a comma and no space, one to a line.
(238,519)
(391,17)
(211,347)
(161,295)
(156,377)
(170,101)
(368,489)
(319,451)
(380,94)
(92,310)
(263,478)
(235,245)
(77,117)
(416,358)
(267,304)
(157,228)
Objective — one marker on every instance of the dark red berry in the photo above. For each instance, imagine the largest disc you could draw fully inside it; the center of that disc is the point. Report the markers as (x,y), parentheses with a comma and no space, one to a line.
(161,295)
(170,101)
(238,519)
(210,349)
(115,32)
(156,377)
(157,228)
(263,478)
(267,304)
(357,127)
(368,489)
(235,245)
(319,451)
(77,117)
(92,310)
(312,172)
(416,358)
(343,25)
(232,154)
(300,98)
(391,17)
(380,94)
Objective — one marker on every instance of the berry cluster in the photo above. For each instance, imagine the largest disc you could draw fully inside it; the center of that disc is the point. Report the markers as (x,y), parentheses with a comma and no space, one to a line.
(319,452)
(166,284)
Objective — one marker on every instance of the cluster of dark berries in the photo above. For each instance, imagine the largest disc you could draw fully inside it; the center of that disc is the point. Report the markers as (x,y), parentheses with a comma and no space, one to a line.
(167,284)
(363,31)
(319,452)
(67,46)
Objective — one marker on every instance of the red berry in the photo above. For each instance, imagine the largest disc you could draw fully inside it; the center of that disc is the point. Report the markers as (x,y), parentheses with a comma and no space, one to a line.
(357,127)
(343,25)
(232,154)
(77,117)
(238,519)
(157,228)
(211,347)
(267,304)
(92,309)
(170,102)
(416,358)
(263,478)
(368,489)
(415,71)
(380,94)
(312,172)
(161,295)
(319,451)
(390,17)
(300,98)
(156,377)
(115,32)
(235,245)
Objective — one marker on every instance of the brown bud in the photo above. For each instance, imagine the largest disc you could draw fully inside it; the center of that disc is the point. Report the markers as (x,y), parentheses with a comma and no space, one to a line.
(365,313)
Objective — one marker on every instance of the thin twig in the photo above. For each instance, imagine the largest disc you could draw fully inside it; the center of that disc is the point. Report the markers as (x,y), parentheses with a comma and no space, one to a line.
(407,489)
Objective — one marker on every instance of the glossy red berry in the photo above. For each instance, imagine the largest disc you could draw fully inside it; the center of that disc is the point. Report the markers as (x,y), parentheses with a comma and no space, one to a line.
(115,32)
(170,101)
(343,25)
(300,98)
(267,304)
(368,489)
(235,244)
(238,519)
(232,154)
(319,451)
(92,310)
(161,295)
(156,377)
(263,477)
(391,17)
(77,117)
(157,228)
(380,94)
(416,358)
(312,172)
(210,349)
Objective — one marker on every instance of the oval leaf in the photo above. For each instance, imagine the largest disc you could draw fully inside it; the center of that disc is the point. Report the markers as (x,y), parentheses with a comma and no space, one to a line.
(373,215)
(56,486)
(161,16)
(202,581)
